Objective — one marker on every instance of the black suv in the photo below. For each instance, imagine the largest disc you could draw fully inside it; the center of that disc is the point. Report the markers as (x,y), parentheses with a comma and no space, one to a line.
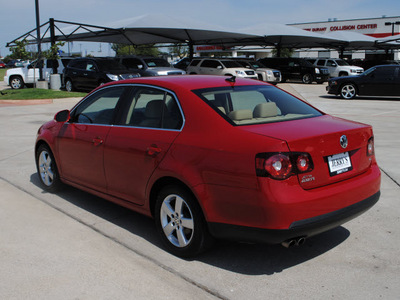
(149,66)
(88,73)
(297,69)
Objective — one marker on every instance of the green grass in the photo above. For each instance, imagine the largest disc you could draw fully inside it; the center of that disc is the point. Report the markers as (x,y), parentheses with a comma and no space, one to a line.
(2,73)
(30,93)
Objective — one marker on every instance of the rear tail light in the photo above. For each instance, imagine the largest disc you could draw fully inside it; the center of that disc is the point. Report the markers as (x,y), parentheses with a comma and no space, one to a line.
(370,147)
(282,165)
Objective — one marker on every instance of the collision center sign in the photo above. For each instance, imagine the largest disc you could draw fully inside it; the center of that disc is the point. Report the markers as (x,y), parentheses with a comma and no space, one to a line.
(343,27)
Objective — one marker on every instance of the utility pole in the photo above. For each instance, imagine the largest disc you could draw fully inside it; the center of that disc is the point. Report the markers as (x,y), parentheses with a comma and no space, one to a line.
(38,40)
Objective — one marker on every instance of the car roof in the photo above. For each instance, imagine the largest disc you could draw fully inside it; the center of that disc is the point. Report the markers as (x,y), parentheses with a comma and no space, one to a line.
(189,82)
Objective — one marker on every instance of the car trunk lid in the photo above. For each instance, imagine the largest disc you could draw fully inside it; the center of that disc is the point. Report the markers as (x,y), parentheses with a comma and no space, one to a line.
(321,138)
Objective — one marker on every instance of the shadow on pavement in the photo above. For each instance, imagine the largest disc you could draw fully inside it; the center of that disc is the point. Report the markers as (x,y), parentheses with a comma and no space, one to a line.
(244,258)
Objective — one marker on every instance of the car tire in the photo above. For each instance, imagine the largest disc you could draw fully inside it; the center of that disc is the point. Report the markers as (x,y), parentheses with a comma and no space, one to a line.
(180,222)
(47,169)
(348,91)
(69,87)
(307,78)
(16,82)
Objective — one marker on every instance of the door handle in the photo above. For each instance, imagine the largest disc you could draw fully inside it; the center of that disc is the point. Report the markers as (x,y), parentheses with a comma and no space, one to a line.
(153,150)
(97,141)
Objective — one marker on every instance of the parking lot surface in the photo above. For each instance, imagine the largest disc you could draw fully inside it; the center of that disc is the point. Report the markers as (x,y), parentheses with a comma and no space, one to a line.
(73,245)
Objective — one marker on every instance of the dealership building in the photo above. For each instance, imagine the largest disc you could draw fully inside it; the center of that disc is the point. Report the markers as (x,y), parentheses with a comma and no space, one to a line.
(379,28)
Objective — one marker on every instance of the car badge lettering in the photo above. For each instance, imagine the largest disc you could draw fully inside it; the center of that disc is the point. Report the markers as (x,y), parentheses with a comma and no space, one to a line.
(343,141)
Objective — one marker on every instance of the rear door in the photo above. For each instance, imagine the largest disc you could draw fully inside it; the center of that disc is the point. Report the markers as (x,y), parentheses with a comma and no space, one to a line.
(210,67)
(151,122)
(81,140)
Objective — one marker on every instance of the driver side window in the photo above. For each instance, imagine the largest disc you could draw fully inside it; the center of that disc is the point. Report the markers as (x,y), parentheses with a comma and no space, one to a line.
(99,108)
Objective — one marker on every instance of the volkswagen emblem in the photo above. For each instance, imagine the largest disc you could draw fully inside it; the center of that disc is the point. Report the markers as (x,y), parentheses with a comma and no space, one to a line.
(343,141)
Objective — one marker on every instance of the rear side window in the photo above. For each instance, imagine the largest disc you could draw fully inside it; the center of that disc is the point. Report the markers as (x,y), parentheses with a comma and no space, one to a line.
(245,105)
(194,62)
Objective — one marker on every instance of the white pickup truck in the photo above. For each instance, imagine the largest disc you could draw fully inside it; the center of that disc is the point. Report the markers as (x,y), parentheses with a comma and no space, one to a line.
(17,78)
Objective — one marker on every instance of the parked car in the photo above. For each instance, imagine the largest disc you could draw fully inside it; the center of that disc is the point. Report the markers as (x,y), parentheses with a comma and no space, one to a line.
(149,66)
(337,67)
(224,67)
(208,156)
(296,69)
(381,80)
(2,65)
(27,75)
(14,63)
(263,73)
(90,72)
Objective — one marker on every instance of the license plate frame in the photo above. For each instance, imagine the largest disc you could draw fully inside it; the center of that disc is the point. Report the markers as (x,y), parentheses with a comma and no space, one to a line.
(339,163)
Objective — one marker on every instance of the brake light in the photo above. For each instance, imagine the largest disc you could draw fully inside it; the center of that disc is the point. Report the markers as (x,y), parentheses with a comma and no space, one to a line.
(282,165)
(370,147)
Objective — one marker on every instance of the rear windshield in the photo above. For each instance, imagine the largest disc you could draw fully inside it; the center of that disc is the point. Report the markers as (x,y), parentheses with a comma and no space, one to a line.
(245,105)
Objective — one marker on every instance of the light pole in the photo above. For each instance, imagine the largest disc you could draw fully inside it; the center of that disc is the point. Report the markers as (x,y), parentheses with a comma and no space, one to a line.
(392,24)
(38,39)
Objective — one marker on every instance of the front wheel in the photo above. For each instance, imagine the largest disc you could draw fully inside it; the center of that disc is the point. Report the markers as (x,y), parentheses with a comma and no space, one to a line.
(16,83)
(307,78)
(180,222)
(348,91)
(47,169)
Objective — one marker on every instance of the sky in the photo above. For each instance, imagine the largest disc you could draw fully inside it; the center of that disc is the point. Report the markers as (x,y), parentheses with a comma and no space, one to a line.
(18,16)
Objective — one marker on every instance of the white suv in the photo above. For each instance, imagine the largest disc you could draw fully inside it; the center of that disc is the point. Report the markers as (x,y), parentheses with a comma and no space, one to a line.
(224,67)
(17,78)
(337,67)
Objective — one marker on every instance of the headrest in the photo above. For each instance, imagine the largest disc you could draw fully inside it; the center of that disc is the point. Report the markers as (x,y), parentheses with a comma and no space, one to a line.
(241,114)
(265,110)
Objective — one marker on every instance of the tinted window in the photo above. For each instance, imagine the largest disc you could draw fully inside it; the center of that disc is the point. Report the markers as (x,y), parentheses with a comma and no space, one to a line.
(110,64)
(78,64)
(194,62)
(321,62)
(256,104)
(98,108)
(132,63)
(208,63)
(153,108)
(52,63)
(231,64)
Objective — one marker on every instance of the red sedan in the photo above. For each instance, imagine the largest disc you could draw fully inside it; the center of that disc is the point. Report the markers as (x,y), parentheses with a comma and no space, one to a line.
(213,157)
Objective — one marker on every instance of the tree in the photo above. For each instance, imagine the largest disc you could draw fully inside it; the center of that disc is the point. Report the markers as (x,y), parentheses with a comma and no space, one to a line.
(145,50)
(180,50)
(19,50)
(52,53)
(285,52)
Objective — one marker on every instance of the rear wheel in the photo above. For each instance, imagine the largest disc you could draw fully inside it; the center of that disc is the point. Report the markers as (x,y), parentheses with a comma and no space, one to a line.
(16,82)
(68,85)
(180,222)
(307,78)
(348,91)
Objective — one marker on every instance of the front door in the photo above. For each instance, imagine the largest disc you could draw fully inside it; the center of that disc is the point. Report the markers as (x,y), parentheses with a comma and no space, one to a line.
(81,140)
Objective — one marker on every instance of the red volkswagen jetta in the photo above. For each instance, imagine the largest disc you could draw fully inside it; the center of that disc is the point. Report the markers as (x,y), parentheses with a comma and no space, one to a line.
(210,156)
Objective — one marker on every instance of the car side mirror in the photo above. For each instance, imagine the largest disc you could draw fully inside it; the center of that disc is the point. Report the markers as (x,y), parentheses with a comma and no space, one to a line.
(62,116)
(219,67)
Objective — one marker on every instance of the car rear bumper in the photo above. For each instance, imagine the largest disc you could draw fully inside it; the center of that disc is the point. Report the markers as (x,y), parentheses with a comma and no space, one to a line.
(302,228)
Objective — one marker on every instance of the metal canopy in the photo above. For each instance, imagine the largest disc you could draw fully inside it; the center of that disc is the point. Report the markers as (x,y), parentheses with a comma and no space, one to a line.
(162,29)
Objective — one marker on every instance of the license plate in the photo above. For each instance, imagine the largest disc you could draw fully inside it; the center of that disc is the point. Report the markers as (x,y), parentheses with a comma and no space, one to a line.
(339,163)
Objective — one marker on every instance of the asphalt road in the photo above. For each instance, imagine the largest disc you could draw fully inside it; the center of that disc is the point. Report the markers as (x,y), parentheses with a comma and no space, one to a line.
(73,245)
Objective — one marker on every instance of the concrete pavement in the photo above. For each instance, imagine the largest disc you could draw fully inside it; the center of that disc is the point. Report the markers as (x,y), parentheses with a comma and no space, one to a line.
(73,245)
